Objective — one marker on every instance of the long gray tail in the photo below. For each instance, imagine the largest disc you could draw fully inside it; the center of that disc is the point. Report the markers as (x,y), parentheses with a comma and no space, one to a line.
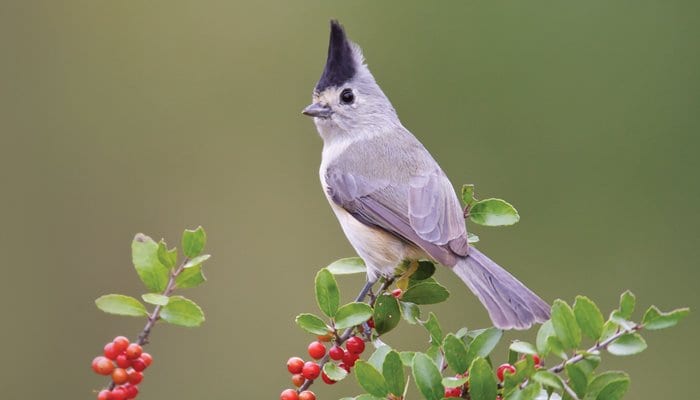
(510,304)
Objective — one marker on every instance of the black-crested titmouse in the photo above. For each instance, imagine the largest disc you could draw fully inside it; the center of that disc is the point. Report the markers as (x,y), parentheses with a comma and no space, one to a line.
(393,201)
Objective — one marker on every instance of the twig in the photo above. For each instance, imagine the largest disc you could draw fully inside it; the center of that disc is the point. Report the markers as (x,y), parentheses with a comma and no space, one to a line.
(599,346)
(155,315)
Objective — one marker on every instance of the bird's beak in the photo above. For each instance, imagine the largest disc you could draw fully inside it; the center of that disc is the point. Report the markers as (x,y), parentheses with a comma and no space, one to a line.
(317,110)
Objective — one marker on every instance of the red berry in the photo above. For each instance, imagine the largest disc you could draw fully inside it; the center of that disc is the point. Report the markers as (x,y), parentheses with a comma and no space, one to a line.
(311,370)
(110,352)
(131,391)
(502,369)
(350,358)
(133,351)
(120,343)
(453,392)
(397,293)
(120,376)
(536,359)
(317,350)
(295,364)
(355,345)
(134,377)
(298,380)
(138,364)
(336,353)
(345,367)
(103,395)
(118,393)
(122,361)
(370,323)
(307,395)
(289,394)
(326,379)
(102,365)
(147,359)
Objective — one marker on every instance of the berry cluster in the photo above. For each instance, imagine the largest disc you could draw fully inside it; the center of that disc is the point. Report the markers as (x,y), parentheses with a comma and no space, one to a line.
(125,363)
(302,371)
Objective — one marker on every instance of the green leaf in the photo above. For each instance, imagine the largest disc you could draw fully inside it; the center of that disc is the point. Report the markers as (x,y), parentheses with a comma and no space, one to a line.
(627,345)
(410,312)
(588,317)
(327,293)
(556,348)
(352,314)
(433,327)
(370,379)
(334,372)
(622,322)
(523,347)
(196,261)
(190,277)
(166,257)
(435,354)
(529,392)
(387,313)
(483,342)
(453,382)
(627,302)
(482,382)
(493,212)
(578,377)
(428,378)
(144,255)
(312,324)
(377,358)
(524,368)
(407,358)
(193,242)
(546,330)
(611,385)
(456,354)
(120,304)
(565,326)
(182,311)
(468,194)
(425,270)
(426,293)
(347,266)
(549,379)
(655,319)
(609,328)
(472,238)
(393,373)
(156,299)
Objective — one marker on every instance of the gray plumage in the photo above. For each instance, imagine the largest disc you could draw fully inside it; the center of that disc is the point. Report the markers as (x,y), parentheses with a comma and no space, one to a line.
(391,197)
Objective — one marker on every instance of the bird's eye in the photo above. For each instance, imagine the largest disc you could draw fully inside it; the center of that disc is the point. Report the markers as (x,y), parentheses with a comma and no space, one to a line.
(346,96)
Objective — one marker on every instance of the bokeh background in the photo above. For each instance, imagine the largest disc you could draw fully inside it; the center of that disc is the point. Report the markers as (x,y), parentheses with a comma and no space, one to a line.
(119,117)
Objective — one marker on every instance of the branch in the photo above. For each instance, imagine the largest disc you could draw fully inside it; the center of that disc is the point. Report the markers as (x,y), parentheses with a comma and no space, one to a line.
(155,315)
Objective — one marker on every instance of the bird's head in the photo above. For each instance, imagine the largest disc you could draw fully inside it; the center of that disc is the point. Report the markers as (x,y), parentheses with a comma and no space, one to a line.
(347,99)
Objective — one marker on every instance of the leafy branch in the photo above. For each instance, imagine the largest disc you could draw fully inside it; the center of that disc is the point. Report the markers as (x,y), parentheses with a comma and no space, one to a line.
(158,268)
(467,353)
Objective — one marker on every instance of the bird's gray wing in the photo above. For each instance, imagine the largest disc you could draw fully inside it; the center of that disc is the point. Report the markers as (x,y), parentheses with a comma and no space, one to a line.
(435,213)
(381,204)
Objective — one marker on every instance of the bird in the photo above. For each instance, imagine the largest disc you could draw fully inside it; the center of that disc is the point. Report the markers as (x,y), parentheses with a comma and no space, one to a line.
(393,201)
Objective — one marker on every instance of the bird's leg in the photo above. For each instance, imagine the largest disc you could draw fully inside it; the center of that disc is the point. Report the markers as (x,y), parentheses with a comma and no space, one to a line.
(366,289)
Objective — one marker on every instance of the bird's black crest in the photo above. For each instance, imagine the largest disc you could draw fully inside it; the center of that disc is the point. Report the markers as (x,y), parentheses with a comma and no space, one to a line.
(340,65)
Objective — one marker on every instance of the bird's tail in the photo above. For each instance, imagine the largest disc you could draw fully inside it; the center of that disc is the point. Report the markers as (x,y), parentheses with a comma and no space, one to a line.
(510,304)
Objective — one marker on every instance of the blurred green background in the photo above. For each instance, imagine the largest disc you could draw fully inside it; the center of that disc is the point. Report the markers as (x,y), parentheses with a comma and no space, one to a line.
(124,116)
